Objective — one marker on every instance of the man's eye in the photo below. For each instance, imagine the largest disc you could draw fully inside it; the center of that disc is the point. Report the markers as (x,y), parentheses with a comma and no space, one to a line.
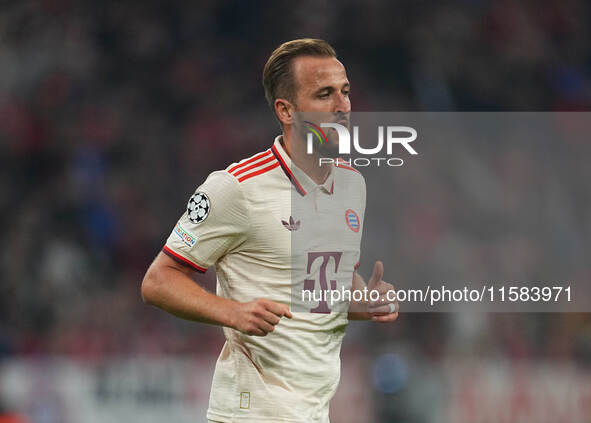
(323,95)
(346,93)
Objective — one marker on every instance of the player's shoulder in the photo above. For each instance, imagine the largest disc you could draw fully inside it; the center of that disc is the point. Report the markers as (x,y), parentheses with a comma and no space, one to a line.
(347,171)
(250,168)
(229,183)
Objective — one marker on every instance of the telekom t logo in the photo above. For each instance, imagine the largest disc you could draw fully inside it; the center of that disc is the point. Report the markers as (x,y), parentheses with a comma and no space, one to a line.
(345,138)
(309,284)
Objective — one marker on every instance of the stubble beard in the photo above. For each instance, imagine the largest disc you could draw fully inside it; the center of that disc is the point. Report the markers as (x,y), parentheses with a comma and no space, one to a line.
(327,148)
(330,148)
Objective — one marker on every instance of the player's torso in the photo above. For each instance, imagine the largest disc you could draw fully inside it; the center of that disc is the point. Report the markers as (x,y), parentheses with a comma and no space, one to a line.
(295,242)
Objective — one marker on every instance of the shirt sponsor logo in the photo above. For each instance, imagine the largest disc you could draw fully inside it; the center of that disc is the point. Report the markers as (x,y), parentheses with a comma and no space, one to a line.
(352,220)
(185,236)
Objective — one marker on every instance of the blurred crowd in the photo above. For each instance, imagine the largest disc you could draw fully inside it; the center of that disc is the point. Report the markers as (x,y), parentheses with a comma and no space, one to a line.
(112,113)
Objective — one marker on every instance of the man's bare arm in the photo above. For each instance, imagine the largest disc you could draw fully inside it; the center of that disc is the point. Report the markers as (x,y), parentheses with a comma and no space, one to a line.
(168,285)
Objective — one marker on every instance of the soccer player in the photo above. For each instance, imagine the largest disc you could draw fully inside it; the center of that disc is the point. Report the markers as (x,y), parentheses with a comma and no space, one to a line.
(271,225)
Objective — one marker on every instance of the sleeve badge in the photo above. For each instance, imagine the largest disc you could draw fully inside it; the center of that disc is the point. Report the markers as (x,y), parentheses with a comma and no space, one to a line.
(198,207)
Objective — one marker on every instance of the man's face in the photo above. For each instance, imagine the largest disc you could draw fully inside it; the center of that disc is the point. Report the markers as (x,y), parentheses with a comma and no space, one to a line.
(322,95)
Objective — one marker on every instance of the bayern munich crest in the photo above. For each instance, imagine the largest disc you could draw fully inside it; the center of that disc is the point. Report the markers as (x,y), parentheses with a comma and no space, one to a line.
(198,207)
(352,220)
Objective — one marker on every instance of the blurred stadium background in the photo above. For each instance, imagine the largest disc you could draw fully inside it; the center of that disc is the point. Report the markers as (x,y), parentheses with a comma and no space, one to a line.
(112,113)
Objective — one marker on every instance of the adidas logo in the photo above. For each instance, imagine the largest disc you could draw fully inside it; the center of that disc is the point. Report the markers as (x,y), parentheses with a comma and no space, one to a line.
(292,225)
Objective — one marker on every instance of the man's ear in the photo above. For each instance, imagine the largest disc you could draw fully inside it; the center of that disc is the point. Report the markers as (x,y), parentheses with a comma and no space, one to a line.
(284,111)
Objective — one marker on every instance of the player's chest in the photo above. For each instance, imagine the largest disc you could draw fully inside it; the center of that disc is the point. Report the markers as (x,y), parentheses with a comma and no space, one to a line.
(287,223)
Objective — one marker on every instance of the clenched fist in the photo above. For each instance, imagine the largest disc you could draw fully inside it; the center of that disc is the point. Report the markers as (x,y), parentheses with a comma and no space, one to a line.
(259,317)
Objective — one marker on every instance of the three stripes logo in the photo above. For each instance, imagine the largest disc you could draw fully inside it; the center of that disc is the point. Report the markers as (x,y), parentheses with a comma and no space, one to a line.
(256,165)
(352,220)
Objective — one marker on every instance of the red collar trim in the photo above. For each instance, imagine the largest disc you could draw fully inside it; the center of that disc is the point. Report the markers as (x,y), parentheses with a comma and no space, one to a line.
(288,172)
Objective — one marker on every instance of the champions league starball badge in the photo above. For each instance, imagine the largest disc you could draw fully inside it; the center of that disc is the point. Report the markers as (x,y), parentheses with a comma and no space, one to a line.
(198,207)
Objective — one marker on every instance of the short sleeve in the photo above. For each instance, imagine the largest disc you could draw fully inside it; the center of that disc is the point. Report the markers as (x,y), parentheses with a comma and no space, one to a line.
(214,223)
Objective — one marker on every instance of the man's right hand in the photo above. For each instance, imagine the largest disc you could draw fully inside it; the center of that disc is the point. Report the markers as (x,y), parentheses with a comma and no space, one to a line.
(259,317)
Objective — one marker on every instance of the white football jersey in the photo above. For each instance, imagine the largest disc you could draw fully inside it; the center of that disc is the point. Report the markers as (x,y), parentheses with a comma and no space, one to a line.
(271,232)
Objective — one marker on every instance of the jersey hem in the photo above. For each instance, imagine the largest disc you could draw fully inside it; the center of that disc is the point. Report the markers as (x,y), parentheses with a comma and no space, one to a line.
(227,418)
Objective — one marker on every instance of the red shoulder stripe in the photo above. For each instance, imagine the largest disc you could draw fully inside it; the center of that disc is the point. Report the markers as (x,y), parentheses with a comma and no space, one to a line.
(182,260)
(247,168)
(255,158)
(258,172)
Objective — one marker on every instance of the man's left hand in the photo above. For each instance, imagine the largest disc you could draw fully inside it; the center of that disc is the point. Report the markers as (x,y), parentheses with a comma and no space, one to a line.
(385,309)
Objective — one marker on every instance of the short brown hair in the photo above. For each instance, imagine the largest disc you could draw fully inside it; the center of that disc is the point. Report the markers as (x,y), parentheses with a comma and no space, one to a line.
(278,79)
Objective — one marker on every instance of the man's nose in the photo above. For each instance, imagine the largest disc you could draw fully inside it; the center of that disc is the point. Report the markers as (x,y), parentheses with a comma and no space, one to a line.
(343,104)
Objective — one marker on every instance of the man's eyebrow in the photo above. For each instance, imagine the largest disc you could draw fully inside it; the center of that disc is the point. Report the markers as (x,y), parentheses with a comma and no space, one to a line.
(327,88)
(330,88)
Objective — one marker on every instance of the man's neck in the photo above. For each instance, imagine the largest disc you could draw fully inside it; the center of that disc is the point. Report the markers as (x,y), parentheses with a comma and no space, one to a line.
(308,163)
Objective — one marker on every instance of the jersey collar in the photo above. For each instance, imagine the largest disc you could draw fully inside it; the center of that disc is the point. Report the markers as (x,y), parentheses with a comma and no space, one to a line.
(301,182)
